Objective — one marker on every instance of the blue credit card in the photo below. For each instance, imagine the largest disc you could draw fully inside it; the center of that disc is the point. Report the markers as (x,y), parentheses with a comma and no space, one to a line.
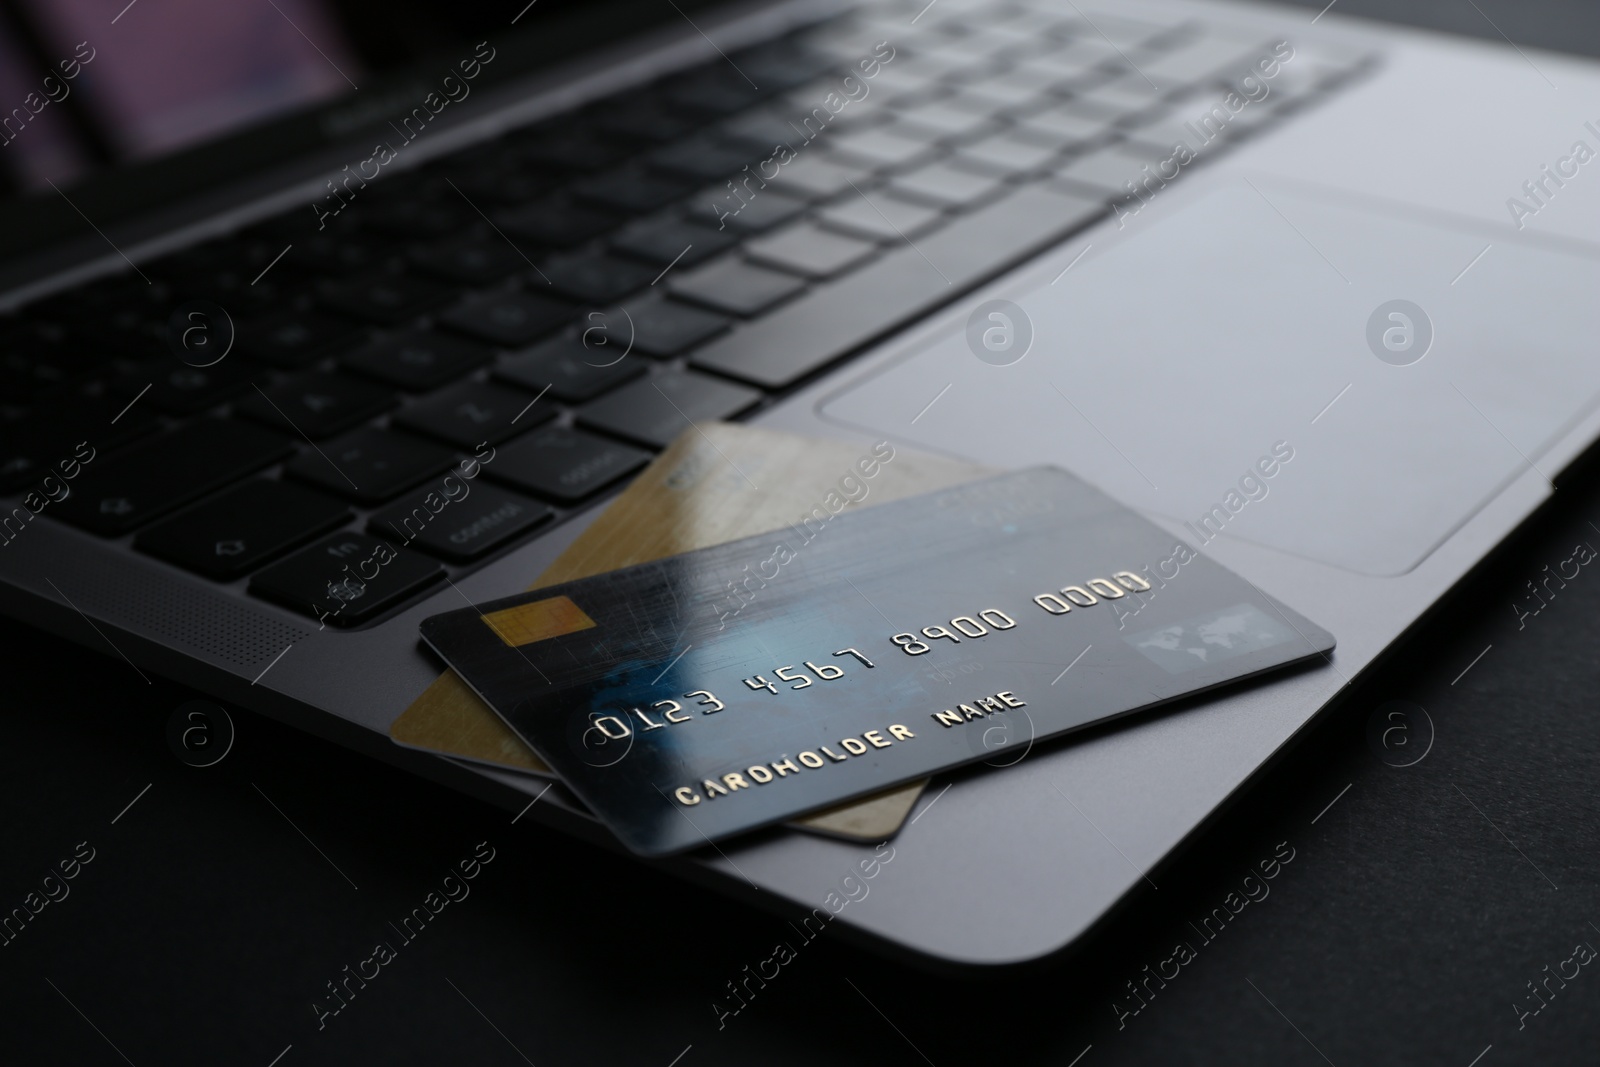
(712,693)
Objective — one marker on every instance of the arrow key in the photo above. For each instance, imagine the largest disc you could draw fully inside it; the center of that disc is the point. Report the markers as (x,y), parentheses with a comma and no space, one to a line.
(235,533)
(316,405)
(370,466)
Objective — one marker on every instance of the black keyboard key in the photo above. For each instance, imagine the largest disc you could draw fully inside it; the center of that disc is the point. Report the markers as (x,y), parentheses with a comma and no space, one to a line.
(39,355)
(641,117)
(347,578)
(182,390)
(838,317)
(418,362)
(369,465)
(571,149)
(763,130)
(420,218)
(316,405)
(459,520)
(656,410)
(235,293)
(674,241)
(385,299)
(634,190)
(24,461)
(497,185)
(712,90)
(704,157)
(338,257)
(555,223)
(565,465)
(596,278)
(116,493)
(111,419)
(473,413)
(46,441)
(118,302)
(510,320)
(233,534)
(469,261)
(735,214)
(809,251)
(736,287)
(780,65)
(296,339)
(665,328)
(573,372)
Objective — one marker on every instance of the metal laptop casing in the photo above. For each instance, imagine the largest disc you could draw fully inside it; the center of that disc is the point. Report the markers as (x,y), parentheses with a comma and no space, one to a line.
(1002,870)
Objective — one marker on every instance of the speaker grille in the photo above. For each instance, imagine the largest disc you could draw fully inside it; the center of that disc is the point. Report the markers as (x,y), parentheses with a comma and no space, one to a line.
(124,591)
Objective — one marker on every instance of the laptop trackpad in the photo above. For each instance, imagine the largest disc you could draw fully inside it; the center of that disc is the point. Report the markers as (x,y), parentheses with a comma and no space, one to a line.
(1164,367)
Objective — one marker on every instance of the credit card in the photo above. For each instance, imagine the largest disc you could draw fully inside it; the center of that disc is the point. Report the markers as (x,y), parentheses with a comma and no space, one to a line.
(715,483)
(692,698)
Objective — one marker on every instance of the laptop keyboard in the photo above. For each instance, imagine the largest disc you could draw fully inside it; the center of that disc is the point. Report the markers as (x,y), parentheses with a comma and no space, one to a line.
(550,309)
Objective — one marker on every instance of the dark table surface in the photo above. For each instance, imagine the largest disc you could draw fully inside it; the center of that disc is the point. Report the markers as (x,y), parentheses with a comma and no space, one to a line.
(1411,909)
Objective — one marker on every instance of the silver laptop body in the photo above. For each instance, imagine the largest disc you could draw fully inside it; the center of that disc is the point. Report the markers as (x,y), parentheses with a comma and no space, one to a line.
(1242,308)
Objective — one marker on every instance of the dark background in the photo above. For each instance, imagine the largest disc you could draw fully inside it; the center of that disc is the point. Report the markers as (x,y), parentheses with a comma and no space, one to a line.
(1414,913)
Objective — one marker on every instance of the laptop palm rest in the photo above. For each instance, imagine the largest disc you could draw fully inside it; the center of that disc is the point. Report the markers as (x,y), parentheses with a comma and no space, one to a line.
(1166,365)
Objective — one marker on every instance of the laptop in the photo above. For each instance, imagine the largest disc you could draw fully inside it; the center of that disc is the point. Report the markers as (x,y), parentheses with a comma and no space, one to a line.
(266,269)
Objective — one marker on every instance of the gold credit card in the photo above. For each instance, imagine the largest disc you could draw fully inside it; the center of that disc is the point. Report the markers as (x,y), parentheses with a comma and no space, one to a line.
(702,491)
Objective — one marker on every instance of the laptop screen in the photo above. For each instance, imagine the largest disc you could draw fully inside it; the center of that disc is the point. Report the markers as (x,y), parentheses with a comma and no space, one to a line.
(127,105)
